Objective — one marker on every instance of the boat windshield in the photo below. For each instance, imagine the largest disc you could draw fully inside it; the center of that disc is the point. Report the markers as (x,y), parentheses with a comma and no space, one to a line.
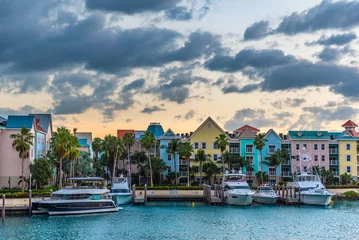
(237,187)
(265,189)
(233,178)
(308,178)
(120,190)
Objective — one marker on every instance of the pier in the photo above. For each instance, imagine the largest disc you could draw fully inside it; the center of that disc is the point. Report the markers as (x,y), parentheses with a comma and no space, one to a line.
(139,198)
(213,197)
(288,195)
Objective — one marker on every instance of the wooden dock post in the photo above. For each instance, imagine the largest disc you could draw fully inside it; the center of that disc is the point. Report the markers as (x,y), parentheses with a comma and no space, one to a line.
(295,193)
(30,201)
(133,193)
(290,192)
(145,201)
(50,193)
(283,188)
(299,196)
(3,208)
(286,195)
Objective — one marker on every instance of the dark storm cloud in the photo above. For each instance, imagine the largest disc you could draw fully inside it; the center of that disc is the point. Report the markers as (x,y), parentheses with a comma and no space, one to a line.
(235,89)
(332,114)
(135,85)
(330,54)
(248,58)
(179,13)
(131,6)
(257,30)
(335,39)
(150,110)
(26,109)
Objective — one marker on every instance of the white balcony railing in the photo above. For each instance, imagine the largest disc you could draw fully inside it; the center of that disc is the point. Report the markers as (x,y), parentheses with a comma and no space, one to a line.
(183,174)
(286,173)
(336,173)
(183,162)
(286,162)
(271,173)
(333,162)
(333,151)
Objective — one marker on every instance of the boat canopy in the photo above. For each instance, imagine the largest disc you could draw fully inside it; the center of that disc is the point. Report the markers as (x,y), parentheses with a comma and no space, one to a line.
(86,179)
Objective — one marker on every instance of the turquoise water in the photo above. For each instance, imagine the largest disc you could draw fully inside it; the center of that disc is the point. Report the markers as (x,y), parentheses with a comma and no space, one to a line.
(198,221)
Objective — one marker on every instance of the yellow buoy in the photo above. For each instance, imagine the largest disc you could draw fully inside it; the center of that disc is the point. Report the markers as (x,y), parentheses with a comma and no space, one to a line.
(192,204)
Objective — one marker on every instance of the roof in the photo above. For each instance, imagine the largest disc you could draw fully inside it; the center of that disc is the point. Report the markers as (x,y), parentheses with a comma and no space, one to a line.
(83,142)
(156,129)
(39,128)
(121,132)
(271,130)
(17,121)
(354,133)
(349,123)
(247,134)
(309,135)
(45,121)
(241,129)
(169,134)
(209,119)
(334,134)
(2,119)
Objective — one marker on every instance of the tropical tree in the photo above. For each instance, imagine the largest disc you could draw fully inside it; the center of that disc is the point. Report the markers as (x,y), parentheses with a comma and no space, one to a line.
(210,169)
(73,155)
(158,167)
(41,171)
(173,149)
(346,178)
(140,159)
(21,143)
(201,157)
(97,148)
(329,176)
(262,177)
(192,172)
(129,140)
(273,161)
(186,150)
(259,143)
(222,142)
(283,155)
(228,158)
(148,142)
(82,167)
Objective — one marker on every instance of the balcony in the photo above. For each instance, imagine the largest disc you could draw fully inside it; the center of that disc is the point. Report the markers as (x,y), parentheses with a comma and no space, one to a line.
(333,162)
(183,162)
(286,162)
(287,174)
(333,151)
(271,173)
(357,162)
(183,174)
(336,173)
(249,173)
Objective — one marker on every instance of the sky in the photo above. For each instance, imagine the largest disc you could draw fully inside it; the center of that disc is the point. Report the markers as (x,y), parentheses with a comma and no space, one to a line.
(99,66)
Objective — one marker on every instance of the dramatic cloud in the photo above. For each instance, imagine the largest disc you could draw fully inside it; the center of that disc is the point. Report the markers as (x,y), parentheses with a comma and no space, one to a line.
(257,30)
(249,58)
(132,6)
(5,112)
(329,54)
(256,118)
(235,89)
(150,110)
(333,114)
(135,85)
(179,13)
(288,102)
(335,39)
(189,115)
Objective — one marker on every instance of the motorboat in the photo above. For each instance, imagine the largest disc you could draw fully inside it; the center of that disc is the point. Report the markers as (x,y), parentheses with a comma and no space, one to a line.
(265,195)
(82,197)
(312,191)
(120,191)
(236,190)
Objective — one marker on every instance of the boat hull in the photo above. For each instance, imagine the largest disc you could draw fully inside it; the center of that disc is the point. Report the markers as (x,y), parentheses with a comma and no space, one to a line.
(122,199)
(265,199)
(315,199)
(238,199)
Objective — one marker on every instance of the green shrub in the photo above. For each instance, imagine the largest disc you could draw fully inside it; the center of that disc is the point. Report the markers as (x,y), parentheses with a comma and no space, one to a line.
(351,194)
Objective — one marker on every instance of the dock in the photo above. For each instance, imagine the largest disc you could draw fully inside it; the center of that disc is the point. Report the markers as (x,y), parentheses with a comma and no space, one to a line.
(213,197)
(288,195)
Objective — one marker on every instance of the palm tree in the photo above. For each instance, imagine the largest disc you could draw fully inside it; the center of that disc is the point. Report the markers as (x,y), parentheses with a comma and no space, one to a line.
(97,148)
(158,166)
(186,150)
(193,171)
(262,177)
(61,145)
(229,158)
(21,143)
(73,155)
(112,146)
(129,140)
(283,157)
(346,178)
(173,149)
(201,157)
(222,143)
(140,159)
(259,143)
(273,161)
(210,168)
(148,142)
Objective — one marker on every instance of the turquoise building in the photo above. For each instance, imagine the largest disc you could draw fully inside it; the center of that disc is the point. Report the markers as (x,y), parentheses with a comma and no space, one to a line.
(157,130)
(169,159)
(272,145)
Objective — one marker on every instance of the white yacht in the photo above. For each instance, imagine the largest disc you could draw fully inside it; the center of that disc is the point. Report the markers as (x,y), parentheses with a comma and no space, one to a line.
(265,195)
(77,199)
(120,191)
(312,191)
(236,189)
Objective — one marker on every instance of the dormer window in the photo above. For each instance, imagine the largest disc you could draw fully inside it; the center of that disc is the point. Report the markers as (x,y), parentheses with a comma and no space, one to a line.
(299,134)
(319,134)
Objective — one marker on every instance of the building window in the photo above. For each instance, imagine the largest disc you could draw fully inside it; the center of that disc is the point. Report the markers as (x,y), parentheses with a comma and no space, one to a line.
(209,125)
(250,159)
(298,157)
(271,148)
(305,168)
(297,146)
(215,157)
(305,146)
(316,158)
(315,146)
(196,145)
(323,146)
(249,148)
(169,145)
(349,158)
(195,157)
(169,169)
(297,169)
(214,146)
(323,158)
(204,145)
(349,169)
(348,146)
(169,157)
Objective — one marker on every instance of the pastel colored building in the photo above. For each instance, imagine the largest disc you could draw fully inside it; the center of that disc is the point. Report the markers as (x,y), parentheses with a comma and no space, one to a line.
(169,159)
(272,145)
(85,140)
(312,144)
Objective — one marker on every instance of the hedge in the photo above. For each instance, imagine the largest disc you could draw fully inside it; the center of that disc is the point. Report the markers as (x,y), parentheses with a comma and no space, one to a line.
(342,186)
(351,194)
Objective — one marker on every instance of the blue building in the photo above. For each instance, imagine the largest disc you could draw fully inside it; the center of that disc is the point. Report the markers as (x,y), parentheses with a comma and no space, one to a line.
(169,159)
(272,145)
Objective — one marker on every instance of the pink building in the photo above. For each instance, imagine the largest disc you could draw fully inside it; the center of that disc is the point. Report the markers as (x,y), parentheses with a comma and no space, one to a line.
(308,149)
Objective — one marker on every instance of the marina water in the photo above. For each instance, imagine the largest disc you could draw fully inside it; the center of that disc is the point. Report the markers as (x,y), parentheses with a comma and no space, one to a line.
(178,220)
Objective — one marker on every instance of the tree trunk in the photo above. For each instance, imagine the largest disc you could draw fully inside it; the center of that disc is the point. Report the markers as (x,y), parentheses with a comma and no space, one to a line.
(60,180)
(22,174)
(188,183)
(149,161)
(260,157)
(129,168)
(200,173)
(114,166)
(223,167)
(174,158)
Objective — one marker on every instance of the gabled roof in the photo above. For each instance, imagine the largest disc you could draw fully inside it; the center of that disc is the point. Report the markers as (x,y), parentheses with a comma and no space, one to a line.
(45,121)
(271,130)
(349,123)
(156,129)
(121,132)
(169,134)
(204,122)
(247,134)
(309,135)
(354,133)
(335,135)
(39,128)
(83,142)
(139,134)
(2,119)
(18,121)
(241,129)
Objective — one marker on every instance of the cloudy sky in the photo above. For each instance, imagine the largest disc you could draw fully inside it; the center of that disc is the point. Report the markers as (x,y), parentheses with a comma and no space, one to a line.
(106,65)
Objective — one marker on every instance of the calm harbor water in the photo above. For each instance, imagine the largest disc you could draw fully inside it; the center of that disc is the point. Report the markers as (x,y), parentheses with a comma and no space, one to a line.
(194,221)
